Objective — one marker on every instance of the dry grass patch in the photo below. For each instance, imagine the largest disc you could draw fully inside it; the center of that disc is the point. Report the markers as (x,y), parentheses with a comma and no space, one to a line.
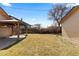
(42,44)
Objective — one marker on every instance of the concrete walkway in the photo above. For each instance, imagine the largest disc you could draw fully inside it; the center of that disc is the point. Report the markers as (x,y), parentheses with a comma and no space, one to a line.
(5,42)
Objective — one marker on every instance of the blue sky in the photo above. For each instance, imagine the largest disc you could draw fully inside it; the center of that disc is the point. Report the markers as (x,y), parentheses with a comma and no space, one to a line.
(32,13)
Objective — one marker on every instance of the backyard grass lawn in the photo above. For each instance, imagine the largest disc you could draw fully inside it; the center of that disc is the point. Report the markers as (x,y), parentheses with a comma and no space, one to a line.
(41,44)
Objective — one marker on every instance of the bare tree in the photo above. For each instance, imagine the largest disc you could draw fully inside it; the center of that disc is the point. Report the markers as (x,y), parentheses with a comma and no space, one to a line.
(57,12)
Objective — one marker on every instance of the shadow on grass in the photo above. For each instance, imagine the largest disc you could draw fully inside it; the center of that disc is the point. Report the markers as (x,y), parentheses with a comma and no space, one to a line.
(12,42)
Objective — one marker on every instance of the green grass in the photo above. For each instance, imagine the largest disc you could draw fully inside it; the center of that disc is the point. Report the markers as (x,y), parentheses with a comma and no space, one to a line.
(43,45)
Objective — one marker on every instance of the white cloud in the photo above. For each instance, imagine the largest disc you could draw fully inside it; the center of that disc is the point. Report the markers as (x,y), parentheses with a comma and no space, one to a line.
(6,4)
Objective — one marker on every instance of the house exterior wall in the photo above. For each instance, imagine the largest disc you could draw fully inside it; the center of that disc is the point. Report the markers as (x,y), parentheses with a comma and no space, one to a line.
(71,26)
(5,32)
(2,17)
(64,34)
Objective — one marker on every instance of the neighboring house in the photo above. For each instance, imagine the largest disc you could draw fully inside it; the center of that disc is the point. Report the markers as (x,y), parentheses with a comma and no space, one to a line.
(36,26)
(70,24)
(28,26)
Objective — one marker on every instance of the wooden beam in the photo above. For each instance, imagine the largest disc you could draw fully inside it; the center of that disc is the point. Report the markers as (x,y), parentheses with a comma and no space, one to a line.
(18,30)
(12,29)
(26,30)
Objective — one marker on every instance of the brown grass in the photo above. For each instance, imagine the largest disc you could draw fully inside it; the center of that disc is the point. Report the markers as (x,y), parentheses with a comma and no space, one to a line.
(42,44)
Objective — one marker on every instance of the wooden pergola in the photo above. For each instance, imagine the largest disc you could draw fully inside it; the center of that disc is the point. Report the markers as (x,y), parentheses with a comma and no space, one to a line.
(12,22)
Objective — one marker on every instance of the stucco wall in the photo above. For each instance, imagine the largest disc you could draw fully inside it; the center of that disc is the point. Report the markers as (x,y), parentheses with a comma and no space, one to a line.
(2,17)
(5,32)
(71,26)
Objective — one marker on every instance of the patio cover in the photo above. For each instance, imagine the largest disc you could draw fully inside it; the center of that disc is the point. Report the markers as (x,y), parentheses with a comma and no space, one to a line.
(12,22)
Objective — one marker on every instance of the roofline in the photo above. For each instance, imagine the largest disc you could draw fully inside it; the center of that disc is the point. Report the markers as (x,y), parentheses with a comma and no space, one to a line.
(19,20)
(4,12)
(8,21)
(72,11)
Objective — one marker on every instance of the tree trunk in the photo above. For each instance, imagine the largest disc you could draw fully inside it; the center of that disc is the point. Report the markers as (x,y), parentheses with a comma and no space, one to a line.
(59,28)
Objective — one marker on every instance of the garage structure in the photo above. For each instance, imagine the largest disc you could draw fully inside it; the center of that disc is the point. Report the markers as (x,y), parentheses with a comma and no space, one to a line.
(70,24)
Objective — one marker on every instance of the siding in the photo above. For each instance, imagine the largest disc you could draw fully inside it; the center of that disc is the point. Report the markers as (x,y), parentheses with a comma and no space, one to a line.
(5,32)
(71,26)
(2,17)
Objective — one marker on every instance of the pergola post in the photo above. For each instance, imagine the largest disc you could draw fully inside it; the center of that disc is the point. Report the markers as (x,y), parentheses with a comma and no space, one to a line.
(12,29)
(18,31)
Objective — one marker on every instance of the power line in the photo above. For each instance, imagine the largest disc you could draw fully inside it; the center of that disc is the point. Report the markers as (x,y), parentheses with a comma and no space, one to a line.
(27,9)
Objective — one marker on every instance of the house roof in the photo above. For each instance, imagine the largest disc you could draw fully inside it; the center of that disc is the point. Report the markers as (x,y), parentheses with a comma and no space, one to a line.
(70,13)
(4,13)
(22,22)
(11,19)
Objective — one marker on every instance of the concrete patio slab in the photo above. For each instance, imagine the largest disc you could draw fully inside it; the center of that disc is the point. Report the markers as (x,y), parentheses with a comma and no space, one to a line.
(5,42)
